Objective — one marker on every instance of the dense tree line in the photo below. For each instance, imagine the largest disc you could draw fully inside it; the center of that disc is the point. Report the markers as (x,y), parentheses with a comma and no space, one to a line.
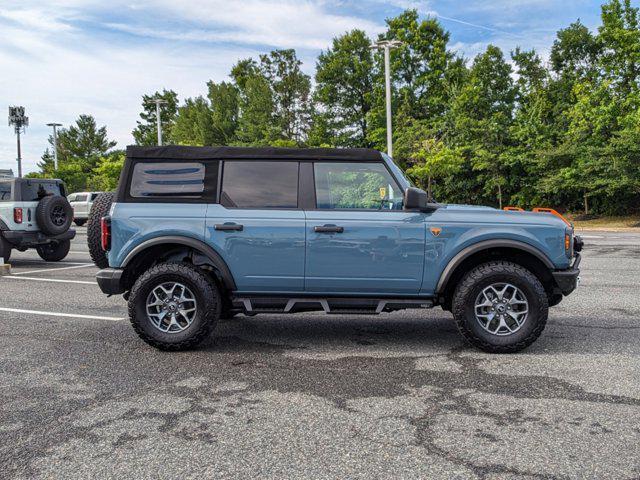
(497,129)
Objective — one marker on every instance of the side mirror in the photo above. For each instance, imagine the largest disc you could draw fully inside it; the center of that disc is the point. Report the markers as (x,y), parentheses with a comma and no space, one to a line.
(416,199)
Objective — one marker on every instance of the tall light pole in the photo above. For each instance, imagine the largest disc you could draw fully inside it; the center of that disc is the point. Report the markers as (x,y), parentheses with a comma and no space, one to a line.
(55,142)
(159,101)
(387,45)
(20,122)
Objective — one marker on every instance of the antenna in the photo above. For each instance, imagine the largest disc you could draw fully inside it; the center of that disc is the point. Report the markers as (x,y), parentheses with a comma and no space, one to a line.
(20,122)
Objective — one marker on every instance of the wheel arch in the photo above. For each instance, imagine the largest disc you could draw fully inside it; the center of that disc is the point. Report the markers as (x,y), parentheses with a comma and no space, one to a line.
(510,250)
(150,250)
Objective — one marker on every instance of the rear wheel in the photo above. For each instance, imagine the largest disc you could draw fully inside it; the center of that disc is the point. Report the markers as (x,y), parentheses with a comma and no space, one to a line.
(5,249)
(99,209)
(174,306)
(500,307)
(54,251)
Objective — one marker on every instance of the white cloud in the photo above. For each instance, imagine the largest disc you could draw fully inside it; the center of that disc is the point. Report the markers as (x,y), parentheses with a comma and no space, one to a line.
(61,58)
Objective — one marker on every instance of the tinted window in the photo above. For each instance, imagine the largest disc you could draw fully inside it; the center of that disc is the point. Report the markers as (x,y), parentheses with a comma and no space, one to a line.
(94,196)
(5,191)
(81,198)
(367,186)
(33,191)
(248,184)
(182,180)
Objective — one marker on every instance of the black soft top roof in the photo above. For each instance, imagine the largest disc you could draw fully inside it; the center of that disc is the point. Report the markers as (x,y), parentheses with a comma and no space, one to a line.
(176,152)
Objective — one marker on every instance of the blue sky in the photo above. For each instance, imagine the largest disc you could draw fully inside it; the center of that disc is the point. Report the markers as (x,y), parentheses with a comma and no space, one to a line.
(61,58)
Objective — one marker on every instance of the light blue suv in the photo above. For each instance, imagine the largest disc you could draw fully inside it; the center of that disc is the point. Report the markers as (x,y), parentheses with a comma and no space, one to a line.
(195,234)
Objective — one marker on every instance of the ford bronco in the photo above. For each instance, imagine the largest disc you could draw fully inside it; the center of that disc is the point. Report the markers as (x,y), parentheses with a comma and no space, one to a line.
(195,234)
(34,213)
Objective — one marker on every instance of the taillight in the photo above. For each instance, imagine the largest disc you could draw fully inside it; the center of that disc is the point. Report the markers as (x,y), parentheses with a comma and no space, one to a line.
(17,215)
(105,233)
(567,242)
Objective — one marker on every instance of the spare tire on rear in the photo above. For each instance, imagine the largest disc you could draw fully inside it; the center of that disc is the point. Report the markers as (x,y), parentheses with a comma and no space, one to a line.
(54,215)
(100,208)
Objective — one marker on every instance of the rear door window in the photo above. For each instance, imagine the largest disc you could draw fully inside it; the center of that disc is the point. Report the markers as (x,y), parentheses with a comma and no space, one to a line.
(259,184)
(168,180)
(81,198)
(34,191)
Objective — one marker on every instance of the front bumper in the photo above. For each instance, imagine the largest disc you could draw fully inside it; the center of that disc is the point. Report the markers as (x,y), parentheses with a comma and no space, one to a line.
(567,280)
(22,239)
(109,281)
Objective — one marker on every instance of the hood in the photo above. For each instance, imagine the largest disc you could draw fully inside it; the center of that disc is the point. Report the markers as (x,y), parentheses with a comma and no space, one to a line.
(479,213)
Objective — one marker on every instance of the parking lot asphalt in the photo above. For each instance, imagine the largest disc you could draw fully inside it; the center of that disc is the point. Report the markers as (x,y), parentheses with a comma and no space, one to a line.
(317,396)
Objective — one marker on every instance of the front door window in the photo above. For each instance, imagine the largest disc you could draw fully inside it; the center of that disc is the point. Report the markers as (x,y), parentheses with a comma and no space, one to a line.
(360,186)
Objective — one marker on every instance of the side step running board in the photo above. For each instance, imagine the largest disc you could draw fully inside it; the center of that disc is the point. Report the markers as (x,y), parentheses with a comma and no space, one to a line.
(349,306)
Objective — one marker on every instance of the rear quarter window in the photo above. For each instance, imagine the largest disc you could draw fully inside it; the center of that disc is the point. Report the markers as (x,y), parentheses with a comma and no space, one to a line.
(168,180)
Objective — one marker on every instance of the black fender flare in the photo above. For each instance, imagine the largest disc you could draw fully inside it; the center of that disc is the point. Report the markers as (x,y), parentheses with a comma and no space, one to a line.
(3,226)
(216,260)
(487,245)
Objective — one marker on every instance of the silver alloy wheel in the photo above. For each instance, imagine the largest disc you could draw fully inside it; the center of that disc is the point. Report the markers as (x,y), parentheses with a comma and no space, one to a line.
(501,309)
(171,307)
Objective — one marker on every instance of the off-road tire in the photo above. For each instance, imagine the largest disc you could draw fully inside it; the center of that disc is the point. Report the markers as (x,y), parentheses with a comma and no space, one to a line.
(5,249)
(208,303)
(99,209)
(80,222)
(481,277)
(54,215)
(54,251)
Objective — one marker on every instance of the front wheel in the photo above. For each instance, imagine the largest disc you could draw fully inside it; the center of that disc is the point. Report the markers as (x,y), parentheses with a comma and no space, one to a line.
(500,307)
(174,306)
(54,251)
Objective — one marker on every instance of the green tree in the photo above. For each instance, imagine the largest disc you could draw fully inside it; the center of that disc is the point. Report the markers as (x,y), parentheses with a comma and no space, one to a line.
(290,89)
(145,132)
(344,84)
(483,116)
(224,101)
(194,124)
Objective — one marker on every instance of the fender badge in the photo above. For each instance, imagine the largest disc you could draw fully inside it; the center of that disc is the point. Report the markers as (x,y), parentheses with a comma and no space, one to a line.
(435,231)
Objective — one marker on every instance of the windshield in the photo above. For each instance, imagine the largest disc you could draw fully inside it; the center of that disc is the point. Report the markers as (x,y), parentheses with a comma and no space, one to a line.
(33,191)
(397,171)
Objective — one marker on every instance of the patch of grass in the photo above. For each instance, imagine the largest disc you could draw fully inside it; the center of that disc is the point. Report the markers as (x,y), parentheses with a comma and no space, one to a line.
(626,222)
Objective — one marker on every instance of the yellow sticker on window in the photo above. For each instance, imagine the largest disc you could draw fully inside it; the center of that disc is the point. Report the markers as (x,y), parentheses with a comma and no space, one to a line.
(383,192)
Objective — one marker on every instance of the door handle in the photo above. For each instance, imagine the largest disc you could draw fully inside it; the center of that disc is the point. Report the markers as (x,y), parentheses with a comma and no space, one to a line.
(227,227)
(328,229)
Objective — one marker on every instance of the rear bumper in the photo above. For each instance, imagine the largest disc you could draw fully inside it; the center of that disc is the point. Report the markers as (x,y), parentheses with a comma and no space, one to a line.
(109,281)
(22,239)
(567,280)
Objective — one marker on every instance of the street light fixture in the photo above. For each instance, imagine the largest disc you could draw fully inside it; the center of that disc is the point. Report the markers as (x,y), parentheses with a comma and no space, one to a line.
(387,45)
(20,122)
(55,142)
(159,101)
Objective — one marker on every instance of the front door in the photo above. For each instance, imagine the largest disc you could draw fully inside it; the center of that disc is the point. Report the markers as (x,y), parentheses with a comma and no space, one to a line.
(359,240)
(257,226)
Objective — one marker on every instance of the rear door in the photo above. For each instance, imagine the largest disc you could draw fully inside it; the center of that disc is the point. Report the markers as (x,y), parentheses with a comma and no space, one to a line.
(359,239)
(258,227)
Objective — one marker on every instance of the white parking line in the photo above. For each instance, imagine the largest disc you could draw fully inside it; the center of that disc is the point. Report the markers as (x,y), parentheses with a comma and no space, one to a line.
(83,265)
(58,314)
(56,280)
